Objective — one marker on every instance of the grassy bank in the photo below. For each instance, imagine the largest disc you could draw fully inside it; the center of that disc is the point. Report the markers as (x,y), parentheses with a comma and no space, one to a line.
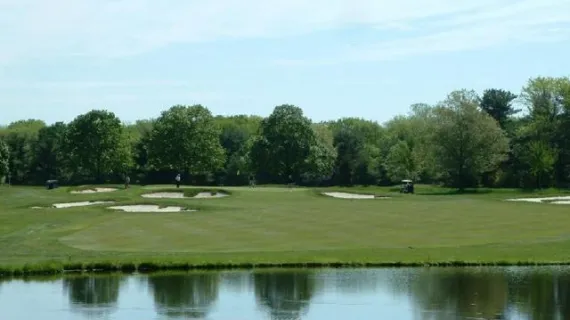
(274,226)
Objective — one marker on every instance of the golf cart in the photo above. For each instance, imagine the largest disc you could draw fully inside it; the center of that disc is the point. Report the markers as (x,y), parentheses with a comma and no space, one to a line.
(52,184)
(407,186)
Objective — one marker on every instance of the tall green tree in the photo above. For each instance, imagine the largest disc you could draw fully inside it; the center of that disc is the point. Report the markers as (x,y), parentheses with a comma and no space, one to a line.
(407,145)
(138,134)
(237,134)
(284,143)
(4,160)
(401,162)
(50,154)
(541,158)
(186,139)
(21,137)
(321,161)
(498,103)
(358,144)
(548,103)
(97,146)
(466,140)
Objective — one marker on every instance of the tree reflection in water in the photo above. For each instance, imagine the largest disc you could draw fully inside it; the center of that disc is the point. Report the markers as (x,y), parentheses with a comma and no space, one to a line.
(188,295)
(94,295)
(287,294)
(487,293)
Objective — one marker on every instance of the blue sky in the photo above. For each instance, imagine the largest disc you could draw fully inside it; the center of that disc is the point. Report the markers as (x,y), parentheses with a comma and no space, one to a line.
(337,58)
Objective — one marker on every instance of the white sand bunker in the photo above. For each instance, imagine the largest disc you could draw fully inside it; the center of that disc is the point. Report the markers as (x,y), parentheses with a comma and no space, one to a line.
(346,195)
(94,190)
(80,204)
(554,200)
(180,195)
(168,195)
(149,208)
(205,195)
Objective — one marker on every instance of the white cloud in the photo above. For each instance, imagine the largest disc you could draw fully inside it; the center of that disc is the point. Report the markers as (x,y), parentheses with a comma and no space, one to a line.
(507,24)
(110,28)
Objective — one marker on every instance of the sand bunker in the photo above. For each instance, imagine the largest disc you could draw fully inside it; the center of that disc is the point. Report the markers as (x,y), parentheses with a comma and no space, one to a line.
(80,204)
(168,195)
(345,195)
(555,200)
(180,195)
(149,208)
(205,195)
(94,190)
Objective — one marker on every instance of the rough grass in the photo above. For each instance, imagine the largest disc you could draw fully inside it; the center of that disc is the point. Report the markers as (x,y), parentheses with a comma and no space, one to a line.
(274,226)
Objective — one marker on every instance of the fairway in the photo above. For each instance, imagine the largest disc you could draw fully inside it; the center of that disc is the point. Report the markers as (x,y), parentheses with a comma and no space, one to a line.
(281,225)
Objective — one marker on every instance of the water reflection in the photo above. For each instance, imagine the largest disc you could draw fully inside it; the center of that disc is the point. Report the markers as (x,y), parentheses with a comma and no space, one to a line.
(541,295)
(184,295)
(94,295)
(237,282)
(286,294)
(455,294)
(409,294)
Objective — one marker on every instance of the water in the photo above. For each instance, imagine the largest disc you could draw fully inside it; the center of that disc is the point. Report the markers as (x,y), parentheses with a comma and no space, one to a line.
(446,293)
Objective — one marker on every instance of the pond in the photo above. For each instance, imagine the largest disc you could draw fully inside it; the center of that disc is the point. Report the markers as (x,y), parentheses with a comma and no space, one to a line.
(403,293)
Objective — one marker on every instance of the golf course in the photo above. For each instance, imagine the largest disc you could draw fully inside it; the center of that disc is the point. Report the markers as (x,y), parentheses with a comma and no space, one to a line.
(275,226)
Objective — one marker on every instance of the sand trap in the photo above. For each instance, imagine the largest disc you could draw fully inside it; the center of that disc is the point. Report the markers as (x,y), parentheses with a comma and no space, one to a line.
(556,200)
(168,195)
(560,202)
(80,204)
(94,190)
(205,195)
(345,195)
(149,208)
(180,195)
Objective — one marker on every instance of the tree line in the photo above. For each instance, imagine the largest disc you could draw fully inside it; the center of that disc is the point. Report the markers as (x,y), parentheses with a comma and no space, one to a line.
(466,140)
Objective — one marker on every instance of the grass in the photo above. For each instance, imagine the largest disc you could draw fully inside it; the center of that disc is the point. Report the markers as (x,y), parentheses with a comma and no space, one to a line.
(275,226)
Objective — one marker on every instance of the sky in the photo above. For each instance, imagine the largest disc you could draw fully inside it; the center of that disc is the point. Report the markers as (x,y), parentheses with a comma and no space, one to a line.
(337,58)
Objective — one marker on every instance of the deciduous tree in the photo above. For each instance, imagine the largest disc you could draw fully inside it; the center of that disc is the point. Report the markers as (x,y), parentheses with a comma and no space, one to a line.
(467,141)
(21,137)
(284,143)
(4,159)
(97,146)
(50,154)
(186,139)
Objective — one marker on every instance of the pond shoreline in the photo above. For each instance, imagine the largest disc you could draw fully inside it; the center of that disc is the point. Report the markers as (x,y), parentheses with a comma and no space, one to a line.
(151,267)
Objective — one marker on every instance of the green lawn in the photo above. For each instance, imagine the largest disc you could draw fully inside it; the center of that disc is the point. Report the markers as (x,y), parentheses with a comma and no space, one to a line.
(275,225)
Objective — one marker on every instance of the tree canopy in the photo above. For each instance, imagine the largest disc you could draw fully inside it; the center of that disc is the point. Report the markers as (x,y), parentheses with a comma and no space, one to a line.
(4,159)
(96,146)
(186,139)
(465,140)
(284,143)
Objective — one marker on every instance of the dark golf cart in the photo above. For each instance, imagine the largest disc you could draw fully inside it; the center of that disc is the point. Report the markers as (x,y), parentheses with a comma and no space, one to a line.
(407,186)
(52,184)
